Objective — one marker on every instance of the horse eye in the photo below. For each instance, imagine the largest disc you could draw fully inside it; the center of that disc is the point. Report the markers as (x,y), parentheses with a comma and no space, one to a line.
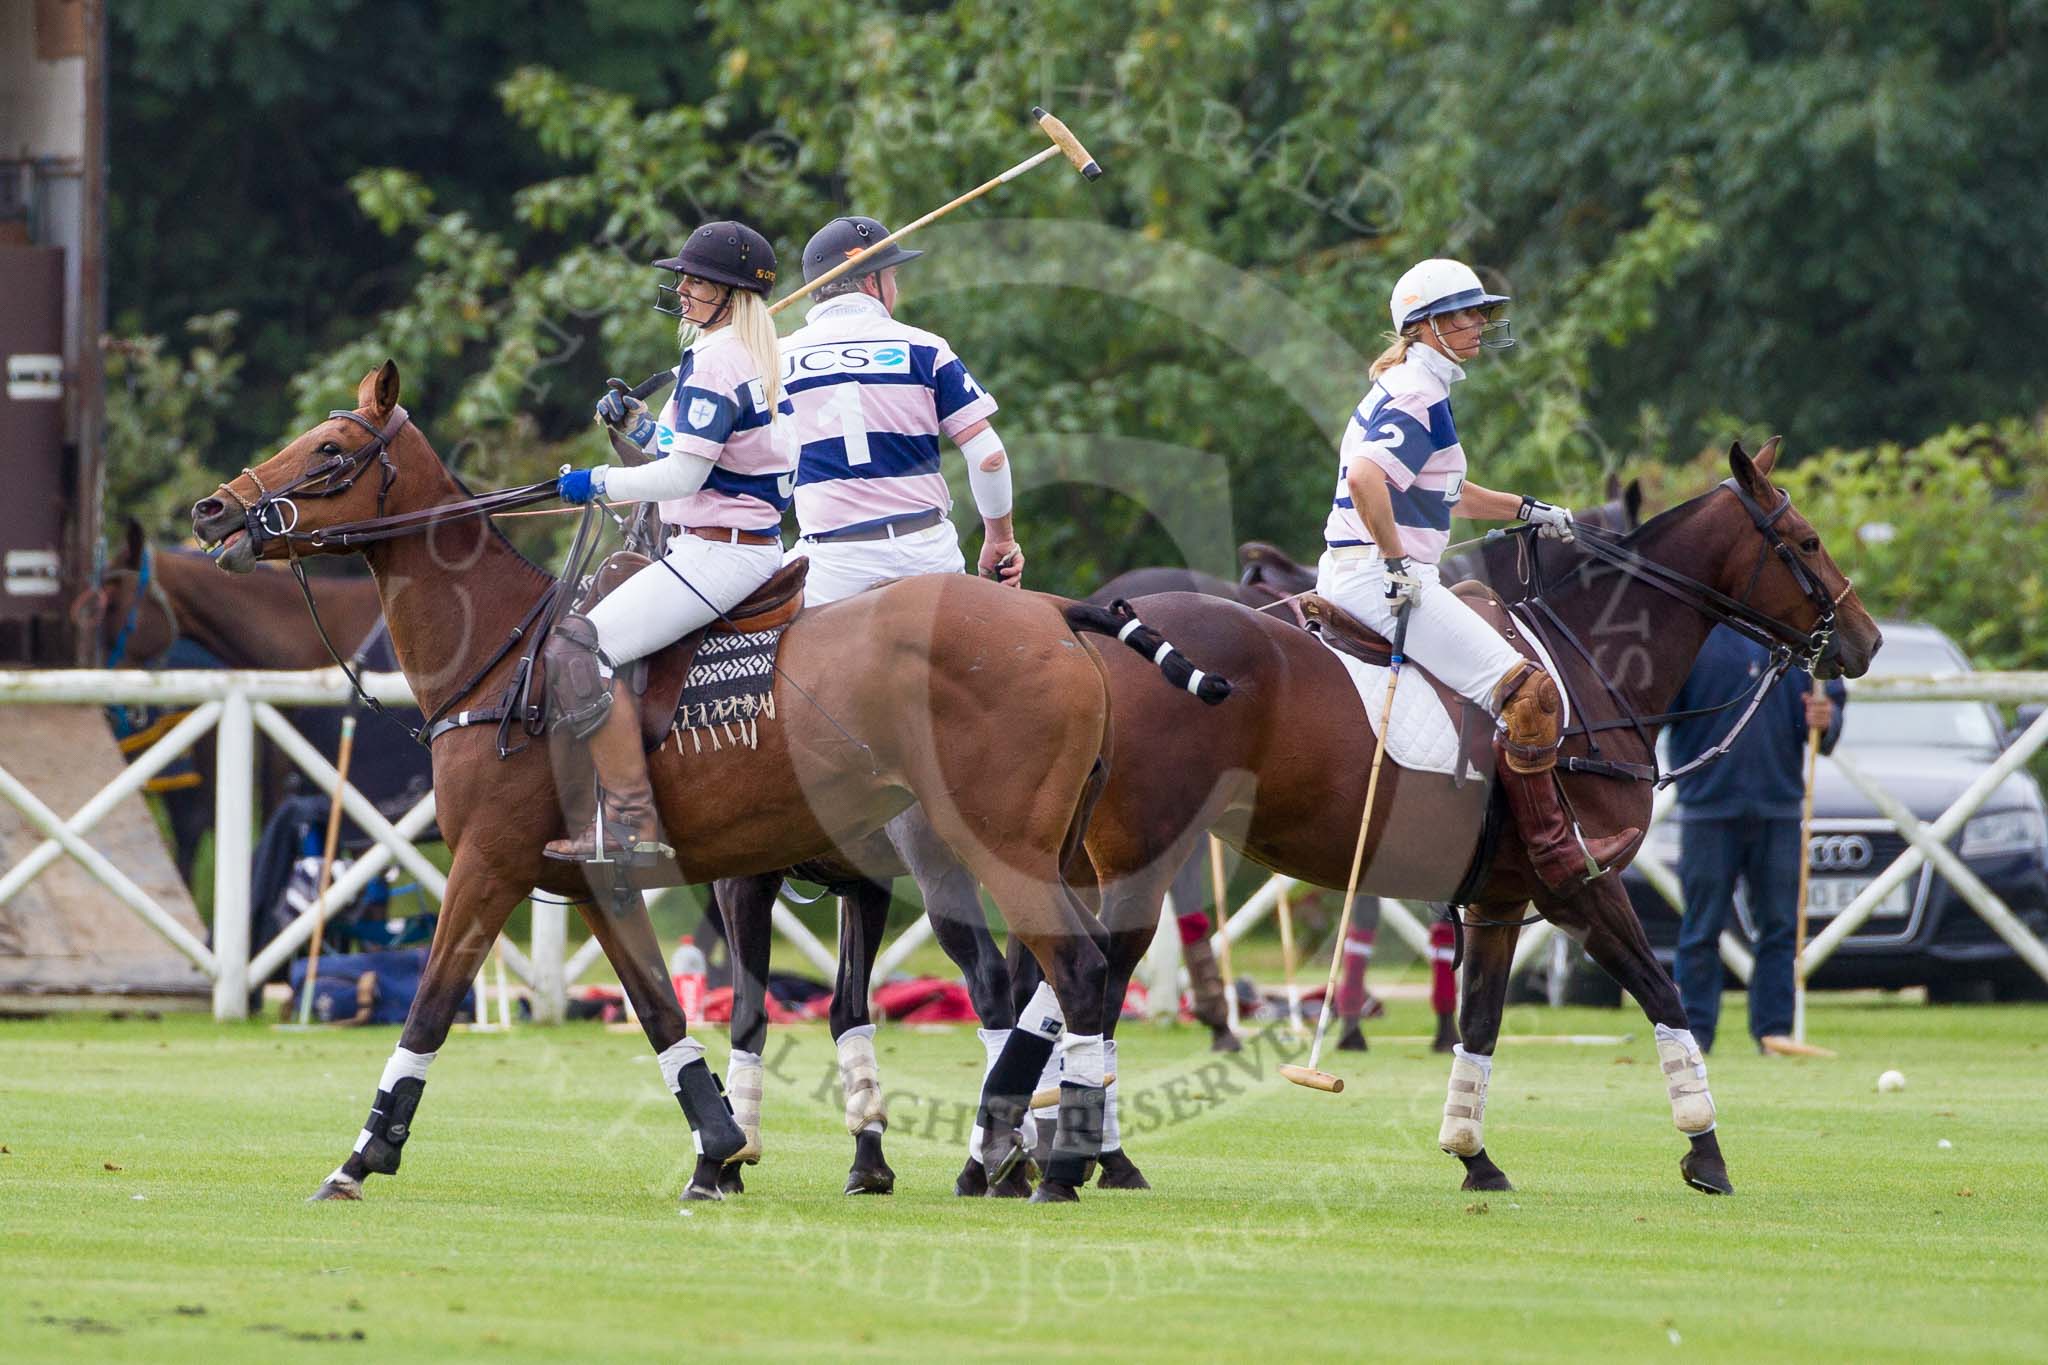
(329,448)
(1810,546)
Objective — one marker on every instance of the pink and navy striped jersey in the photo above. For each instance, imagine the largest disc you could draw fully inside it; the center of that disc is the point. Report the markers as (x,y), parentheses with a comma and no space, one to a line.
(1404,426)
(719,412)
(872,397)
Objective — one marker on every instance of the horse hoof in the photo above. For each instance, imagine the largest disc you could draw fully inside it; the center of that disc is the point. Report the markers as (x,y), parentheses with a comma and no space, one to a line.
(972,1182)
(1223,1040)
(1055,1192)
(694,1193)
(875,1180)
(1015,1185)
(1353,1039)
(336,1187)
(1482,1174)
(729,1181)
(1119,1172)
(1708,1176)
(1000,1157)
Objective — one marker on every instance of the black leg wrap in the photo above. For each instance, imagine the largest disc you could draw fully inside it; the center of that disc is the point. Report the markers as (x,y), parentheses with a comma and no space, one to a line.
(1077,1142)
(390,1124)
(1005,1097)
(709,1113)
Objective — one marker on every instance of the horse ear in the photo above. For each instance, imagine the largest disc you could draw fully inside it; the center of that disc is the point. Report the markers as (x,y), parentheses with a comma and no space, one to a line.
(1768,456)
(1632,499)
(1745,471)
(137,542)
(1613,486)
(379,390)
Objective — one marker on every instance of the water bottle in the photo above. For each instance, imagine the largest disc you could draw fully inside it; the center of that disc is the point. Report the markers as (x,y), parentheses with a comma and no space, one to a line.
(689,969)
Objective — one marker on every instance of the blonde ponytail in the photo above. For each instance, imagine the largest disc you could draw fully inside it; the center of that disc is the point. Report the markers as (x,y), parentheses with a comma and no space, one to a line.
(756,329)
(1391,357)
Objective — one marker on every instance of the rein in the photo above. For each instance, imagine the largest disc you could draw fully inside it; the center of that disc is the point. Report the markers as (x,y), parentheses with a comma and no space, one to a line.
(1787,644)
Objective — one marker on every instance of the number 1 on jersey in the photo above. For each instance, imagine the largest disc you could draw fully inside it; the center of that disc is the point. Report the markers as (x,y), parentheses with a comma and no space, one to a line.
(845,406)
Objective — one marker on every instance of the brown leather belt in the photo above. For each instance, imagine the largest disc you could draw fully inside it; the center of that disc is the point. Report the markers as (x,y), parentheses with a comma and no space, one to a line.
(729,536)
(907,526)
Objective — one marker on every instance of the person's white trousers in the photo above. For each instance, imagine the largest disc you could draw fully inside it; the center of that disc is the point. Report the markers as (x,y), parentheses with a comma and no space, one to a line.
(843,568)
(1444,635)
(653,608)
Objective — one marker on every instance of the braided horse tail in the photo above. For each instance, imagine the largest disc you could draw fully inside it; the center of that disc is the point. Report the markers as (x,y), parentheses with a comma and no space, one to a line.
(1121,620)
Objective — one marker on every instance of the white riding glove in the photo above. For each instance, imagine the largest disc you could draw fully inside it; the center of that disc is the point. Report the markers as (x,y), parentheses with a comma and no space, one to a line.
(1552,523)
(1402,588)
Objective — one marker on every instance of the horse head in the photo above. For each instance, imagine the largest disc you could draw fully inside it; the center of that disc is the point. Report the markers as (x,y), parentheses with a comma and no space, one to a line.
(344,469)
(1776,564)
(1623,510)
(130,612)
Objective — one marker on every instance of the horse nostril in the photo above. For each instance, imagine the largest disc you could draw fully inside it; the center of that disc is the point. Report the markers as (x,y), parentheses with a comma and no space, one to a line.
(206,507)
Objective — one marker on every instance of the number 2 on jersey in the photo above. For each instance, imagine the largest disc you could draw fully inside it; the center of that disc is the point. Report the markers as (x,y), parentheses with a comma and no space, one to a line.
(845,407)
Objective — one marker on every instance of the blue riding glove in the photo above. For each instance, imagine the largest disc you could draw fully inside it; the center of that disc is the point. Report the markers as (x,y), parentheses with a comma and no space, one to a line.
(581,485)
(625,414)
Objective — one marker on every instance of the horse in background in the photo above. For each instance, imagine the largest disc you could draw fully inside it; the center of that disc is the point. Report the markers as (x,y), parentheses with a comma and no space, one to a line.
(168,607)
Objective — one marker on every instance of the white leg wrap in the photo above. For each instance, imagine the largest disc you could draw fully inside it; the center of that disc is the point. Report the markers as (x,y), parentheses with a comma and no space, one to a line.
(673,1058)
(1083,1060)
(1685,1078)
(860,1076)
(1464,1128)
(992,1040)
(1042,1015)
(1112,1133)
(405,1065)
(743,1087)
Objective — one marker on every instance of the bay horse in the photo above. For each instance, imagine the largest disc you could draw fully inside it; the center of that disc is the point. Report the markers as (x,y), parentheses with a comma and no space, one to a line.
(168,607)
(1281,775)
(984,705)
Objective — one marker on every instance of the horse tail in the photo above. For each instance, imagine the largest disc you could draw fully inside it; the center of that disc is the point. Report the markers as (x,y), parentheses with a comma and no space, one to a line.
(1120,619)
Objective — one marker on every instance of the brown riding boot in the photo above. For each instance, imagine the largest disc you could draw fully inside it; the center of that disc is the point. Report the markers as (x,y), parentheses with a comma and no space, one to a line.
(1530,711)
(625,804)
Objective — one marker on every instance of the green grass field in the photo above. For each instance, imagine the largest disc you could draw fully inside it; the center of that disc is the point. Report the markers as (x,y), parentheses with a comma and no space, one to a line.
(150,1205)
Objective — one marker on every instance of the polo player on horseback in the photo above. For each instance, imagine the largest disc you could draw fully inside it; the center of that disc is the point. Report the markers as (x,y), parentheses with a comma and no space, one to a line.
(1401,476)
(725,457)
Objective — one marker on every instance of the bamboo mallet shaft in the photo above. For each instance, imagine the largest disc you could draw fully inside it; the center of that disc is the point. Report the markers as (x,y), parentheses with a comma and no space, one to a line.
(341,761)
(1064,143)
(1308,1075)
(1221,891)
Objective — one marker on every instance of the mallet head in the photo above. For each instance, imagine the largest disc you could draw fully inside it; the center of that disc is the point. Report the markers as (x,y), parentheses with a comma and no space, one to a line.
(1064,139)
(1314,1080)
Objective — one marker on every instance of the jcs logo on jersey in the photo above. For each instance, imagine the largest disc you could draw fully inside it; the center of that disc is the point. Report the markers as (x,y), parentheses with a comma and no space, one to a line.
(846,357)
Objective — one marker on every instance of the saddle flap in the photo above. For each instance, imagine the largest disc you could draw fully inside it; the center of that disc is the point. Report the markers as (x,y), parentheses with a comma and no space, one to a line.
(1344,632)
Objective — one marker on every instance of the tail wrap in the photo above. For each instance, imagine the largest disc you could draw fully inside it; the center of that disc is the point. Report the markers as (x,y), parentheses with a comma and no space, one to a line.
(1121,620)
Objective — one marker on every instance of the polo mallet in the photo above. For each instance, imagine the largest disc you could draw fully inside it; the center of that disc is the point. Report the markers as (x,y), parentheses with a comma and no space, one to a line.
(1223,931)
(1796,1045)
(1064,143)
(341,761)
(1308,1075)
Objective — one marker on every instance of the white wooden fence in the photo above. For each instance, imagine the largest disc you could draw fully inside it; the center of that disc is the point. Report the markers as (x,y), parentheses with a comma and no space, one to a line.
(239,704)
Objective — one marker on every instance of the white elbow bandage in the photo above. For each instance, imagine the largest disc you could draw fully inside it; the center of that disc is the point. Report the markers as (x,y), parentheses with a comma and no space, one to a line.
(988,473)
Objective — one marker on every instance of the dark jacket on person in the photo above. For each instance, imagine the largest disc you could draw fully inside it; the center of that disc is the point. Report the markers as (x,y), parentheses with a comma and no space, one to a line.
(1762,776)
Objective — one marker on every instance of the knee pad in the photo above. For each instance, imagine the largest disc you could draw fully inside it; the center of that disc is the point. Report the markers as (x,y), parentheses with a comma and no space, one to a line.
(1685,1080)
(1531,715)
(579,677)
(1464,1127)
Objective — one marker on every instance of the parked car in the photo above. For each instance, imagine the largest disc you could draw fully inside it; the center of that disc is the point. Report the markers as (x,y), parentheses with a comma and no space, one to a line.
(1924,934)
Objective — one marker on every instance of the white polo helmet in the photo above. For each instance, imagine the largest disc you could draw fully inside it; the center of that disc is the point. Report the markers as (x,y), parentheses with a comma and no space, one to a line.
(1437,285)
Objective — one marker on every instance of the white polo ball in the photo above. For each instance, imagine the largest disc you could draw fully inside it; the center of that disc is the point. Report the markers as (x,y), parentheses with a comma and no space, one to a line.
(1891,1080)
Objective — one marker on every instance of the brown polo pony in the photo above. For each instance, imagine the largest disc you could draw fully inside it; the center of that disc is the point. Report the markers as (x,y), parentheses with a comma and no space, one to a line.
(1281,773)
(980,703)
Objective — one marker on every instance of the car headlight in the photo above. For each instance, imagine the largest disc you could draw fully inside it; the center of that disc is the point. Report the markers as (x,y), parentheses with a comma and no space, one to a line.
(2005,831)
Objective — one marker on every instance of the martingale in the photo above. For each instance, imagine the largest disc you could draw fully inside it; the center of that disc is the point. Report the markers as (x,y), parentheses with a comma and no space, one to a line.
(729,690)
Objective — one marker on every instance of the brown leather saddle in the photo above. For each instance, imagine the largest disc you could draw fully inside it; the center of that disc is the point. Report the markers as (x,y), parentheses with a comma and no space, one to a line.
(1348,635)
(658,679)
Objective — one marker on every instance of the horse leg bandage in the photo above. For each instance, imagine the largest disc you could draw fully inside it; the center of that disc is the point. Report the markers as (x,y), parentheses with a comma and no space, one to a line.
(1112,1132)
(673,1058)
(1685,1079)
(1006,1091)
(1464,1128)
(743,1087)
(1077,1142)
(713,1132)
(382,1140)
(860,1078)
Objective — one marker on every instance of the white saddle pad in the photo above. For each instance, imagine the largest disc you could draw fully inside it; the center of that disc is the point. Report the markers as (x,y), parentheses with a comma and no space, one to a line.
(1424,734)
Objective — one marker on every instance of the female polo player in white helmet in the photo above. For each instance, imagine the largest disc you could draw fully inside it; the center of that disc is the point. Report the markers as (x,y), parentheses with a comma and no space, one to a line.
(1401,477)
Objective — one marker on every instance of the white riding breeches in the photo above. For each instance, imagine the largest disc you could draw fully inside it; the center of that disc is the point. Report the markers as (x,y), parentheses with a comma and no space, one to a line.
(1444,635)
(652,608)
(843,568)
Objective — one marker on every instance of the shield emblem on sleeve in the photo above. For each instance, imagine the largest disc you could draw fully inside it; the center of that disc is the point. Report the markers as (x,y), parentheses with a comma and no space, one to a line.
(702,410)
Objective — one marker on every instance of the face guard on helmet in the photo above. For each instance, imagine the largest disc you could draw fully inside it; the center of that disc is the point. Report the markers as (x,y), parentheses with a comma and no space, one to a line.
(843,238)
(727,253)
(1439,286)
